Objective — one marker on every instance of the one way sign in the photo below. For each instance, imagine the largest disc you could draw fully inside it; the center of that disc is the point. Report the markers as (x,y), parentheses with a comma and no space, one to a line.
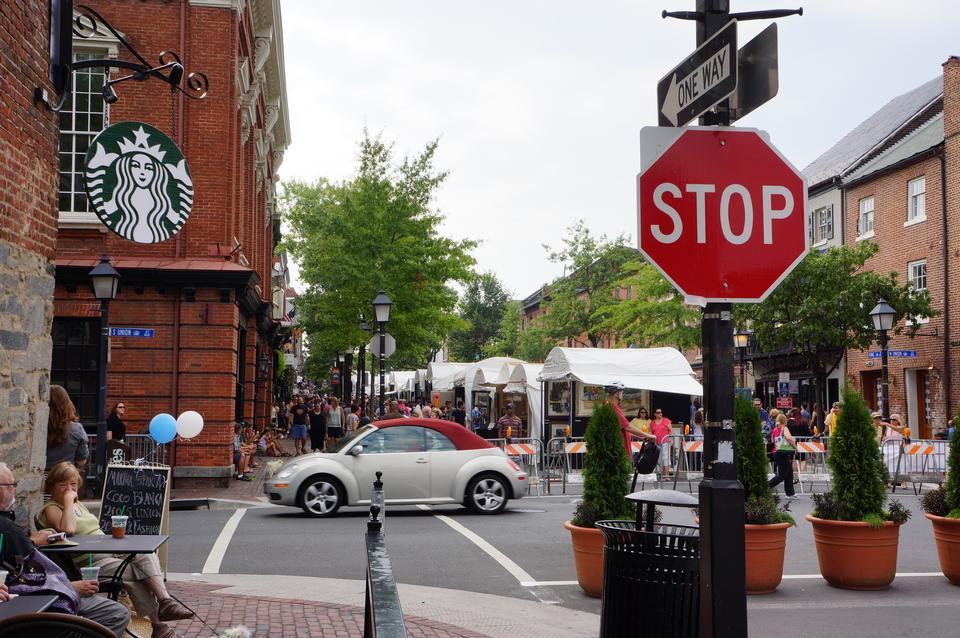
(700,81)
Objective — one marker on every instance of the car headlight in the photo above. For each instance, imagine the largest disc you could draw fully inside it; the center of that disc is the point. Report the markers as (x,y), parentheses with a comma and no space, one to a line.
(287,471)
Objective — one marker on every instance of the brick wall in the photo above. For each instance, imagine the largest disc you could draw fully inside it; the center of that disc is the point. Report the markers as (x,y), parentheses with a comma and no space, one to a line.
(899,245)
(28,200)
(203,350)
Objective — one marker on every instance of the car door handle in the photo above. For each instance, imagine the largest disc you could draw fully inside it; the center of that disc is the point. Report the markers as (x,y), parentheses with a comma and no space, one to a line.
(422,461)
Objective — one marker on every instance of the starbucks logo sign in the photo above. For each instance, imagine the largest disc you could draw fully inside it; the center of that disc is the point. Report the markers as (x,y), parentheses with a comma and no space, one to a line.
(138,182)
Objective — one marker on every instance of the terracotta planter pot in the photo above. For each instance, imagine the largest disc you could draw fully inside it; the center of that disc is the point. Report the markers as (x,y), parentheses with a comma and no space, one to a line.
(853,555)
(765,545)
(587,557)
(946,531)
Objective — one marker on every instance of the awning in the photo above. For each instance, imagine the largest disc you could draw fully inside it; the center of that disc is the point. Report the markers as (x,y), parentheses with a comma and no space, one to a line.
(655,369)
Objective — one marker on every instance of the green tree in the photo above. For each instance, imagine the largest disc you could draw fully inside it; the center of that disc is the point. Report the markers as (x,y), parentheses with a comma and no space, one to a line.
(653,313)
(376,230)
(952,487)
(531,343)
(606,470)
(823,308)
(859,475)
(577,306)
(482,308)
(752,463)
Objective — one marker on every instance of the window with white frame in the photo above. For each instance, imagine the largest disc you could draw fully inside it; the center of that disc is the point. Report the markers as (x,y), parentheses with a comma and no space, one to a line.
(865,220)
(917,199)
(823,224)
(84,115)
(917,280)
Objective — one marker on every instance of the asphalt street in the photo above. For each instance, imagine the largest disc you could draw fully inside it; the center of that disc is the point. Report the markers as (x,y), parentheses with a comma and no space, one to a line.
(525,553)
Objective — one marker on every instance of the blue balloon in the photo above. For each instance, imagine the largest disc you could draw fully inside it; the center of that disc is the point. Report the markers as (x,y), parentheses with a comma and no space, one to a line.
(163,428)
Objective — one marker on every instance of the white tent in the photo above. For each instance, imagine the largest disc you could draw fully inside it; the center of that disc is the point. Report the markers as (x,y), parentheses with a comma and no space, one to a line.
(402,380)
(523,379)
(475,375)
(656,369)
(440,375)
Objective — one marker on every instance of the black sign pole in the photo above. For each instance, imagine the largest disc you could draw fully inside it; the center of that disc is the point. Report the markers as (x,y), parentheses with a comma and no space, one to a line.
(723,595)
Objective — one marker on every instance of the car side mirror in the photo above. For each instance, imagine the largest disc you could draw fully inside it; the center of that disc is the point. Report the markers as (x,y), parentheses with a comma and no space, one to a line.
(355,450)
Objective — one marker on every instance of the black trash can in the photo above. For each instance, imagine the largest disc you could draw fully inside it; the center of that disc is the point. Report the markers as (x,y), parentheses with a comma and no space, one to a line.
(651,581)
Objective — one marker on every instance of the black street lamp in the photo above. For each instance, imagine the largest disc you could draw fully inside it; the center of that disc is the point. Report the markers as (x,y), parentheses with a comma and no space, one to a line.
(381,309)
(361,367)
(741,340)
(884,316)
(105,279)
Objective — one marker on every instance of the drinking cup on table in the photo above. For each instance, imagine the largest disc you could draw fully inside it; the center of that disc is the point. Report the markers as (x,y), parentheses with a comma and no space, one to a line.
(119,524)
(90,573)
(3,575)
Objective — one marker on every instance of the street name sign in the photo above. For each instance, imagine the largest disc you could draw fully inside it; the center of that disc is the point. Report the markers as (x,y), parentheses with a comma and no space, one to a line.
(720,212)
(758,75)
(893,353)
(699,82)
(132,332)
(389,342)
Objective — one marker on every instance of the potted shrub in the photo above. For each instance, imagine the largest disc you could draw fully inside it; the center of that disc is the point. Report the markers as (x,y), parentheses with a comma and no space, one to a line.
(856,538)
(606,480)
(942,507)
(765,531)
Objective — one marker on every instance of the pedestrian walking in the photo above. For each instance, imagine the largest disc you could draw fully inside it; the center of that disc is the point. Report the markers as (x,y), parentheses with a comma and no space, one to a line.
(642,420)
(335,422)
(353,419)
(460,415)
(509,425)
(318,426)
(298,426)
(66,438)
(660,427)
(116,428)
(786,447)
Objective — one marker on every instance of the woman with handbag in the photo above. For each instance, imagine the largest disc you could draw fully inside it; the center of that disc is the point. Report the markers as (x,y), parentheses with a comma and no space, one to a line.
(143,580)
(786,447)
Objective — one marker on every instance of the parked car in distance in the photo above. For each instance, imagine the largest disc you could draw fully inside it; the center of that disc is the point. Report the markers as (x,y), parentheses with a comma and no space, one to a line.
(423,461)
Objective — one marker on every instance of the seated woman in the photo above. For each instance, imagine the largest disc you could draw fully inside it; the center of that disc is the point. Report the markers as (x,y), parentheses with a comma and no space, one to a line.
(143,579)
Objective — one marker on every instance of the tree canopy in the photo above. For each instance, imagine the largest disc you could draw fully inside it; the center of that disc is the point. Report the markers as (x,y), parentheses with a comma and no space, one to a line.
(376,230)
(823,308)
(481,308)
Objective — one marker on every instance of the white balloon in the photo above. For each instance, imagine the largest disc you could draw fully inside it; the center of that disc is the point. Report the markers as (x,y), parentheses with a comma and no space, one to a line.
(189,424)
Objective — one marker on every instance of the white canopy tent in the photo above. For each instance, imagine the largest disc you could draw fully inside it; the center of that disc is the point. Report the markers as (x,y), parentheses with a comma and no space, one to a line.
(402,380)
(475,375)
(523,379)
(655,369)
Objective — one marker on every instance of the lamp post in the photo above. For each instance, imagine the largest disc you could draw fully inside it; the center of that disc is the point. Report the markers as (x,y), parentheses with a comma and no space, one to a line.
(105,279)
(741,340)
(362,365)
(884,316)
(381,308)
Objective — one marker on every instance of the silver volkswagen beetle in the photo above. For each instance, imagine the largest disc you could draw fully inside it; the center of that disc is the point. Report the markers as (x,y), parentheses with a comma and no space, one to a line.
(422,460)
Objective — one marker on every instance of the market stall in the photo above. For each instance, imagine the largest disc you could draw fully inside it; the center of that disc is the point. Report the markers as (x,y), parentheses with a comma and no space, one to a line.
(652,377)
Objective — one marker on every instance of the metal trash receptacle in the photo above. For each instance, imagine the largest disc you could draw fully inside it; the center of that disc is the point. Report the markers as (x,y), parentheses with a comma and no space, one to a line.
(651,579)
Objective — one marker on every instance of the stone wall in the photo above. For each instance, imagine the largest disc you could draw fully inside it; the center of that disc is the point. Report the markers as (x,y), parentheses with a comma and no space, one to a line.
(28,222)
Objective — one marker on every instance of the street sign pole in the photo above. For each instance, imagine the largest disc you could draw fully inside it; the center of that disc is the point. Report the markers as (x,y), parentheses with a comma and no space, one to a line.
(723,590)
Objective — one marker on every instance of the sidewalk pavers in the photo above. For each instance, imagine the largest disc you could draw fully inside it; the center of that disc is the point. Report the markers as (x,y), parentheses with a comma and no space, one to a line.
(282,618)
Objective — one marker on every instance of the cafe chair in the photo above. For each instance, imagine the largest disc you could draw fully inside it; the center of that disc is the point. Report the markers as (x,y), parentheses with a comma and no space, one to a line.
(52,625)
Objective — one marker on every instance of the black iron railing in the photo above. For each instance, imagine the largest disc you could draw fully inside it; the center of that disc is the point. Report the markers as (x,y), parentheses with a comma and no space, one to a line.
(382,617)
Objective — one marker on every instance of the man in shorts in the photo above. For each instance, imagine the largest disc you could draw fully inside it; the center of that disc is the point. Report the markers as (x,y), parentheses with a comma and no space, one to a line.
(298,427)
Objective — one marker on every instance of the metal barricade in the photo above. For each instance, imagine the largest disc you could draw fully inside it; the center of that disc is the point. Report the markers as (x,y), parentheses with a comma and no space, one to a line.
(810,461)
(686,456)
(564,460)
(917,461)
(529,453)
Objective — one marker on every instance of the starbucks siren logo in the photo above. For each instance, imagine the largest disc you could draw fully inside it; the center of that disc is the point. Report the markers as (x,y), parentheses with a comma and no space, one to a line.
(138,182)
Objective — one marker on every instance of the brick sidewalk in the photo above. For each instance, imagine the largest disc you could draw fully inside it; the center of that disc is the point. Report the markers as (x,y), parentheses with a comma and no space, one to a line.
(239,490)
(279,618)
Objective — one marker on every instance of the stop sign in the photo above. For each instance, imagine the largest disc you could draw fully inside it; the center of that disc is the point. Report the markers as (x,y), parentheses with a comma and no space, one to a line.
(720,212)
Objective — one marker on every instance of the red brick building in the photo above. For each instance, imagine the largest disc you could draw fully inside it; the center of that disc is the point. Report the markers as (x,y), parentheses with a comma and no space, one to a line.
(28,178)
(893,172)
(206,292)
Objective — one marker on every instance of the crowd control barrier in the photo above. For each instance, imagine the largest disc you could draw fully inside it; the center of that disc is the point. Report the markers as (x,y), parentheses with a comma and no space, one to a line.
(917,461)
(564,460)
(810,461)
(528,453)
(686,459)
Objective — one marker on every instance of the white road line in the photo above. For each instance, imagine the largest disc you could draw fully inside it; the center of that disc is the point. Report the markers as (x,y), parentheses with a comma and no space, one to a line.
(212,566)
(548,583)
(494,553)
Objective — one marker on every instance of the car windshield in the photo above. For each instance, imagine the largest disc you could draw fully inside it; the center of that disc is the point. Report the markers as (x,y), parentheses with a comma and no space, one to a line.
(349,438)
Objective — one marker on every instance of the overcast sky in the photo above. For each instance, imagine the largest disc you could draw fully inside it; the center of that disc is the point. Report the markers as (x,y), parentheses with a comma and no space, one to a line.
(538,104)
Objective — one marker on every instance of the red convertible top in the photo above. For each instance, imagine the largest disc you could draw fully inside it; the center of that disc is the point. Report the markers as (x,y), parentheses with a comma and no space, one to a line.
(463,438)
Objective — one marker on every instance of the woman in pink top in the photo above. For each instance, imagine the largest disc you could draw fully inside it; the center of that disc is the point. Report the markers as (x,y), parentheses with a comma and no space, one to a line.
(660,427)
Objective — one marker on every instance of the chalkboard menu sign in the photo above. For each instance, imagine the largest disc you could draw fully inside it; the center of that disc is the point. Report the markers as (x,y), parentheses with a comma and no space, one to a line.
(141,492)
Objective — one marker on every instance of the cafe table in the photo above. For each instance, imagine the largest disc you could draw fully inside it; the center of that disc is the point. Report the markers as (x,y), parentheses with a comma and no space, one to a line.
(129,547)
(31,604)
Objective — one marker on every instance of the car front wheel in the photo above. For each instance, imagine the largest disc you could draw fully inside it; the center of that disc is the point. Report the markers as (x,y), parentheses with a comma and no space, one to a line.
(321,496)
(487,494)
